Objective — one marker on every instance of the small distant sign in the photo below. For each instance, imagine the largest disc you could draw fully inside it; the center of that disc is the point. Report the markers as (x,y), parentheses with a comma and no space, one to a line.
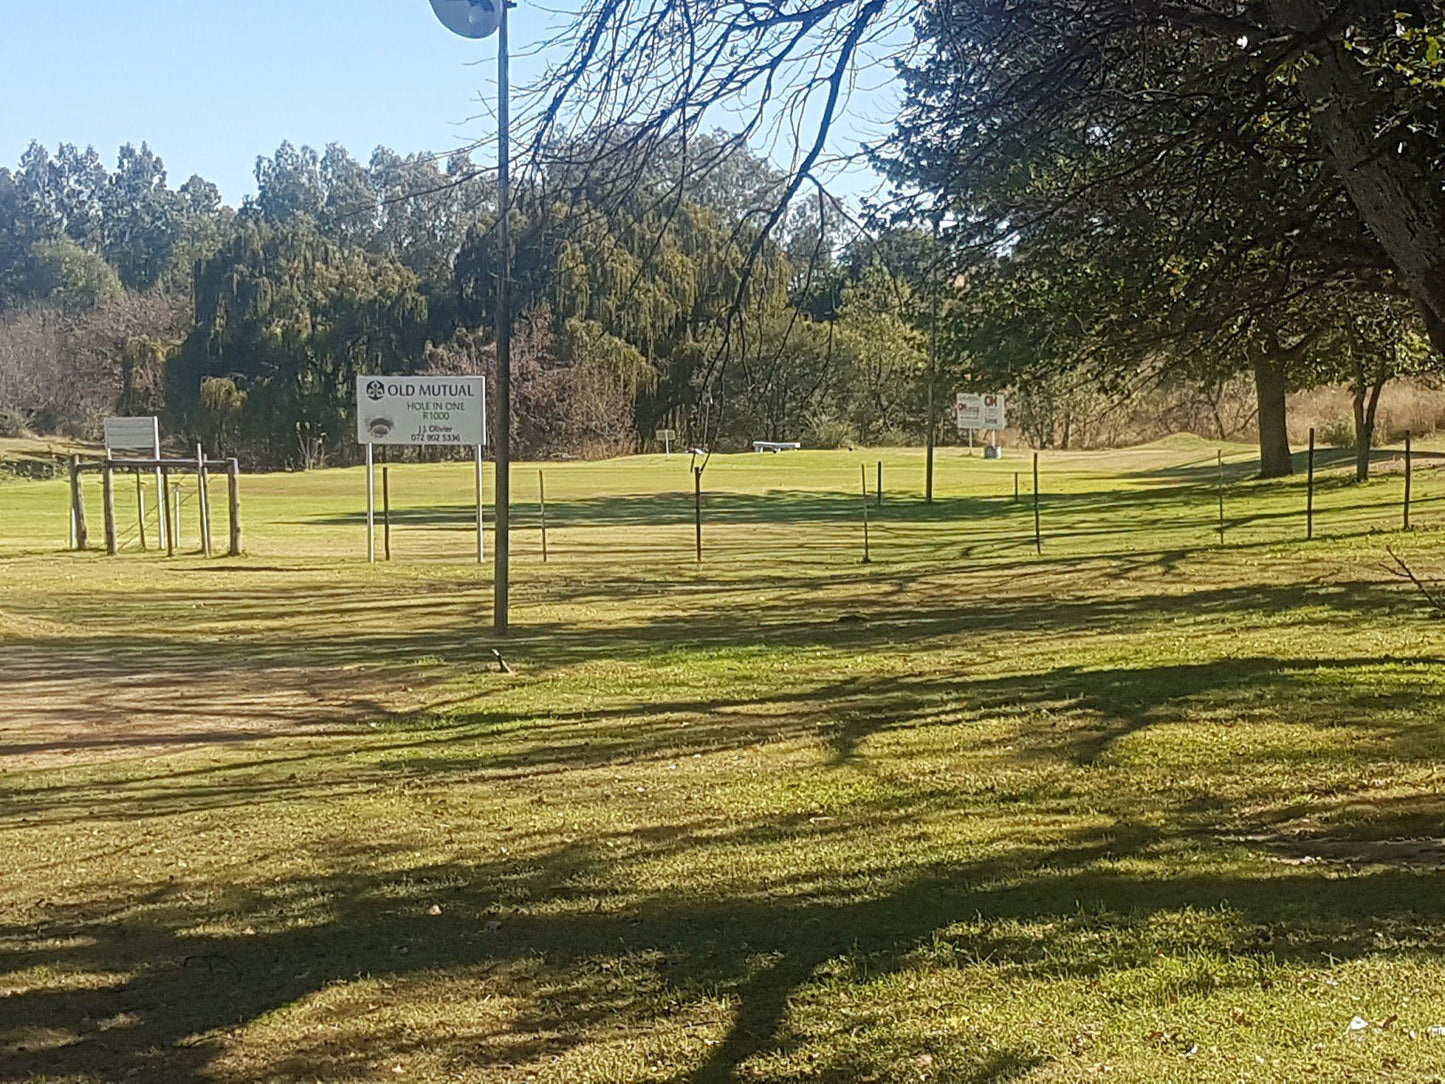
(419,410)
(995,416)
(133,435)
(666,435)
(981,411)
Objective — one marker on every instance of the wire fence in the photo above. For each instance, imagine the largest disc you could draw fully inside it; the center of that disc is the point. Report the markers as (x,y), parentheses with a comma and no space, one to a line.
(795,509)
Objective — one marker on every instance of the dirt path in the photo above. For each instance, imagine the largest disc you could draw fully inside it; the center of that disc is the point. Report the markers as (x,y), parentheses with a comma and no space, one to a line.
(65,704)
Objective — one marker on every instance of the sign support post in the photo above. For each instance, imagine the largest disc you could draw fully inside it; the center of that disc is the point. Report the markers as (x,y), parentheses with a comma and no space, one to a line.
(203,500)
(370,507)
(444,412)
(162,528)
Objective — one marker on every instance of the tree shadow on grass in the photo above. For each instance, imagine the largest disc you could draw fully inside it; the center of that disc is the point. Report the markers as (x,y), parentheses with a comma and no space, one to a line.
(101,693)
(177,990)
(174,986)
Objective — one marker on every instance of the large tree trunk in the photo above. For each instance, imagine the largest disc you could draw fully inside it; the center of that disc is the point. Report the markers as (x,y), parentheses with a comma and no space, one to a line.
(1270,386)
(1367,408)
(1393,194)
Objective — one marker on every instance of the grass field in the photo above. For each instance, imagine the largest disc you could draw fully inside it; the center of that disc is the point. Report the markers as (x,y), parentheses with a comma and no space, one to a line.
(1143,808)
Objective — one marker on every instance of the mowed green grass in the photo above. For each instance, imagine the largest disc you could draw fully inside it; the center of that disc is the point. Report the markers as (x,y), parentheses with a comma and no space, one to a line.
(1143,808)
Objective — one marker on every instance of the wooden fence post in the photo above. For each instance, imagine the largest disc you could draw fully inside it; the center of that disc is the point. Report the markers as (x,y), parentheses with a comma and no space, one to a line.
(77,505)
(1016,487)
(176,507)
(112,541)
(205,500)
(880,483)
(233,500)
(1310,491)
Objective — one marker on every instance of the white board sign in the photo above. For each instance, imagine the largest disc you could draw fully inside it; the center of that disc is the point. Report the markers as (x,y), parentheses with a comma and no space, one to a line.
(994,414)
(412,410)
(133,435)
(981,411)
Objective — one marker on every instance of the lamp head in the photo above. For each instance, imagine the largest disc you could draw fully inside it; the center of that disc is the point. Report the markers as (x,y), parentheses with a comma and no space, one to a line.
(469,18)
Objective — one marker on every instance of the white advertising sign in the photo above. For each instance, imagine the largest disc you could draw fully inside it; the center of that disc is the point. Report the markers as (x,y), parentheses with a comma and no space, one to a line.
(994,414)
(412,410)
(133,435)
(970,411)
(981,412)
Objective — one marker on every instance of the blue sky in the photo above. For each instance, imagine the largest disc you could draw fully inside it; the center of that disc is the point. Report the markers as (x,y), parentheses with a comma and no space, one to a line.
(210,85)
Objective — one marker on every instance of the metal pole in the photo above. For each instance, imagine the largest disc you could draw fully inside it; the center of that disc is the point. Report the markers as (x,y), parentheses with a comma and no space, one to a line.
(1221,497)
(880,483)
(867,553)
(370,507)
(386,511)
(932,373)
(203,500)
(140,505)
(697,507)
(1310,492)
(501,603)
(542,503)
(1409,472)
(1038,524)
(169,513)
(481,514)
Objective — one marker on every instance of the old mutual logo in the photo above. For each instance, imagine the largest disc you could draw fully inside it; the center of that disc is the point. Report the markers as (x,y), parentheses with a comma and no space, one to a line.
(375,390)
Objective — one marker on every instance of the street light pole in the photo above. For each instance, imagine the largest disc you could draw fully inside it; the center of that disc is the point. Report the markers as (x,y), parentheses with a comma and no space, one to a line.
(502,550)
(481,19)
(932,368)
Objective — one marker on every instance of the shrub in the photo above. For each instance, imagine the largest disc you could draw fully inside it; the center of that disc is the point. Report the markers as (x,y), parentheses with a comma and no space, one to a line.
(1337,433)
(13,423)
(832,433)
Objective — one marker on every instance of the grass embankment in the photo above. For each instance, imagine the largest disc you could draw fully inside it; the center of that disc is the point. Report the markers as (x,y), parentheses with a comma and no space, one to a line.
(1144,808)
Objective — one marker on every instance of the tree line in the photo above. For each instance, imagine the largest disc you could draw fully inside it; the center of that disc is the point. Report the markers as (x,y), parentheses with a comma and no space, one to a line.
(1186,194)
(654,303)
(1128,215)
